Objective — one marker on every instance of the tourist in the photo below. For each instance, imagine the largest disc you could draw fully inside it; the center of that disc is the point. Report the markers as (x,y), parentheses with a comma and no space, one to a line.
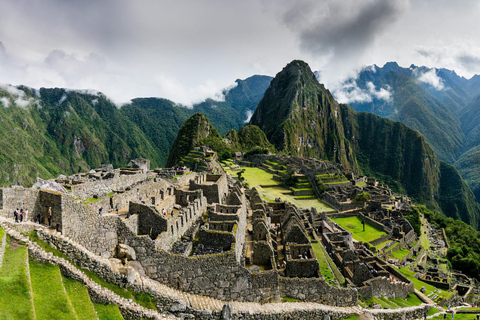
(117,207)
(424,315)
(100,211)
(26,214)
(49,216)
(21,215)
(37,220)
(15,214)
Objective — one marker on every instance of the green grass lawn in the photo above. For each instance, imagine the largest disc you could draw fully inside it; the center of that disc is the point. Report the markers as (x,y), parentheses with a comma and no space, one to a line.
(143,299)
(322,261)
(78,295)
(2,232)
(322,255)
(419,284)
(108,312)
(354,225)
(400,254)
(51,301)
(423,236)
(256,177)
(15,300)
(382,244)
(271,193)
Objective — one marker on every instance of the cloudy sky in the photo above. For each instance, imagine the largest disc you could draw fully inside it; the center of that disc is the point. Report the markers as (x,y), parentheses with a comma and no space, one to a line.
(189,50)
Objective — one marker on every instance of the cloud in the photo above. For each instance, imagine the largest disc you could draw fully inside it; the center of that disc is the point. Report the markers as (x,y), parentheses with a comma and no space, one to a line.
(5,101)
(249,116)
(430,77)
(18,96)
(341,31)
(350,92)
(461,56)
(187,96)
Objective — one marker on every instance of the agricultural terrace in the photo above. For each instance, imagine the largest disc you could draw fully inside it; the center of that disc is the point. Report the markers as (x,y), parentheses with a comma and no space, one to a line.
(354,225)
(271,189)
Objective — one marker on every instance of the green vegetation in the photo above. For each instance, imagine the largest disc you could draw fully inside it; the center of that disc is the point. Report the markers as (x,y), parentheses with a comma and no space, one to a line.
(464,241)
(51,302)
(328,269)
(298,108)
(198,131)
(443,294)
(15,299)
(143,299)
(400,254)
(107,312)
(362,198)
(288,299)
(78,296)
(414,219)
(354,225)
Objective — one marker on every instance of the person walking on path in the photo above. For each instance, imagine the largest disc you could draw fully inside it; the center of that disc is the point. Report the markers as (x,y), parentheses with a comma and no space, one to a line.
(49,216)
(100,210)
(15,214)
(117,207)
(21,215)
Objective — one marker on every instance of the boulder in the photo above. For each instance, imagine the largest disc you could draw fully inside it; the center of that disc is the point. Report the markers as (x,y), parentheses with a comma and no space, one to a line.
(129,273)
(126,252)
(227,311)
(137,266)
(49,185)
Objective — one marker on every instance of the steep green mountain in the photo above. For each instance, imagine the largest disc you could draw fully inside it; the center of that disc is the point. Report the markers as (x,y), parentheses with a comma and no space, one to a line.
(51,131)
(421,106)
(300,117)
(198,131)
(443,106)
(240,103)
(298,114)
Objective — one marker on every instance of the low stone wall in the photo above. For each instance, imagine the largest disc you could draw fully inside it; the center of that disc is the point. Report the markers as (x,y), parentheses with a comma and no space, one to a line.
(384,287)
(317,290)
(100,188)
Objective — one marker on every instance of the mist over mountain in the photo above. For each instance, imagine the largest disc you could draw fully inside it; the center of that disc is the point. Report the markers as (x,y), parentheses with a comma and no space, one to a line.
(438,103)
(300,117)
(48,132)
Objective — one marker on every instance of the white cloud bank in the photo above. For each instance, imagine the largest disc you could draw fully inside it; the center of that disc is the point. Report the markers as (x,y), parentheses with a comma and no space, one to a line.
(430,77)
(350,92)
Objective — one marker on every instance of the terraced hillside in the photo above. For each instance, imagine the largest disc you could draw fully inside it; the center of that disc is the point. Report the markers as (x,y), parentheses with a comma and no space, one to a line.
(35,290)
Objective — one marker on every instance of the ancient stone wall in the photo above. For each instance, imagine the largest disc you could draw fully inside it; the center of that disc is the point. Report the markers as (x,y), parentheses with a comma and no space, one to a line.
(316,289)
(101,188)
(150,221)
(384,287)
(96,233)
(18,197)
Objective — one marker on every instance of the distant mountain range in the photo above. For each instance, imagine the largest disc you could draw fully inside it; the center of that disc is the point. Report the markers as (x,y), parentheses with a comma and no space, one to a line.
(443,106)
(48,132)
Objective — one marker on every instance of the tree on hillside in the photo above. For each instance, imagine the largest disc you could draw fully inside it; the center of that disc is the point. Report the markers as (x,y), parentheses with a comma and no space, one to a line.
(362,198)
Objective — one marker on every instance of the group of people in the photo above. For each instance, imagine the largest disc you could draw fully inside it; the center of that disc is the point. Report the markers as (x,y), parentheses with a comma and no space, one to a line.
(20,215)
(178,168)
